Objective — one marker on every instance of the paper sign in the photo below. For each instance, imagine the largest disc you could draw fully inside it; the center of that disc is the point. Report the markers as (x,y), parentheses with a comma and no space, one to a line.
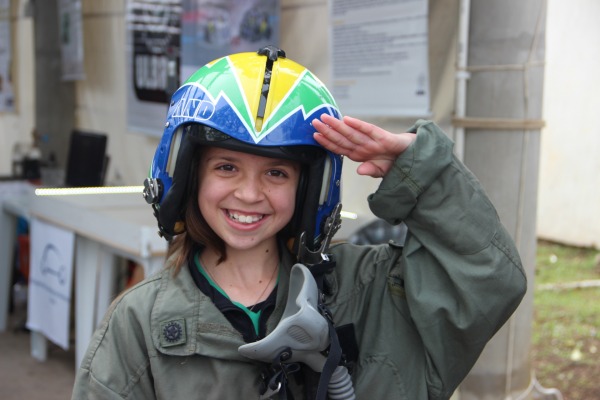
(7,97)
(70,31)
(50,281)
(380,57)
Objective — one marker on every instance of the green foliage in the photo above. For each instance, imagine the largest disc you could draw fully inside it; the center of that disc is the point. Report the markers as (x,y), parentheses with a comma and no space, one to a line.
(558,263)
(566,327)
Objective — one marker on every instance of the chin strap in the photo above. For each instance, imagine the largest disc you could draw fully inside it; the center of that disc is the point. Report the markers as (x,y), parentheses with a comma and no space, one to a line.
(319,263)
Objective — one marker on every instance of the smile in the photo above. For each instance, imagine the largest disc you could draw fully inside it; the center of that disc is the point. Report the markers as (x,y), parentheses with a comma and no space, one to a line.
(245,219)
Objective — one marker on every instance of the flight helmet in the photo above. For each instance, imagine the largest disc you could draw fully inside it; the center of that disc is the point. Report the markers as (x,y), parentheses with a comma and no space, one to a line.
(261,103)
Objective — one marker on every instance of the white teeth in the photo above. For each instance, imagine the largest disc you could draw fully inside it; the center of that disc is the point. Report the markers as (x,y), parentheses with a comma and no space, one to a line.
(245,219)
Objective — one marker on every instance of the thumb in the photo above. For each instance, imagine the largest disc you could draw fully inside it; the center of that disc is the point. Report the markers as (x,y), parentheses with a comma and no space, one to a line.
(370,169)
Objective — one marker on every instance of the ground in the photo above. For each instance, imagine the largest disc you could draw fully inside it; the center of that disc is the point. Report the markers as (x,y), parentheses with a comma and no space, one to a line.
(566,327)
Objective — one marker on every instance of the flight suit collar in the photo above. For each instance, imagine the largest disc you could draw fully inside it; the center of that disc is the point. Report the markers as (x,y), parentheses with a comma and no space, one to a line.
(184,321)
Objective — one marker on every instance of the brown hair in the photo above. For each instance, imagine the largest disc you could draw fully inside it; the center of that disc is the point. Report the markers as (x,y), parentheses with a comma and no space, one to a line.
(197,231)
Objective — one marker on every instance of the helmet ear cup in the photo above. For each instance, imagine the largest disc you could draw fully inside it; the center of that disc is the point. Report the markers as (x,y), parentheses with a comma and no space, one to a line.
(172,207)
(307,203)
(292,228)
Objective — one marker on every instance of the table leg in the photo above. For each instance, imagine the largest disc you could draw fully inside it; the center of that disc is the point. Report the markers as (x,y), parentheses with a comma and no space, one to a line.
(87,254)
(106,284)
(39,345)
(94,290)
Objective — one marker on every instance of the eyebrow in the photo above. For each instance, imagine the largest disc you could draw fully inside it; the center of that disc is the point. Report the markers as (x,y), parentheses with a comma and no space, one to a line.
(274,162)
(283,162)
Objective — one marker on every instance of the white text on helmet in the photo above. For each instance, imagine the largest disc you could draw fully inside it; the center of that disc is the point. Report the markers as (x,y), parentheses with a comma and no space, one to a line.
(193,108)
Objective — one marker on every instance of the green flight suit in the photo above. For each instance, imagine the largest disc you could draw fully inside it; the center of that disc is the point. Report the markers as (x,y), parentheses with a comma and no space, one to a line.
(422,313)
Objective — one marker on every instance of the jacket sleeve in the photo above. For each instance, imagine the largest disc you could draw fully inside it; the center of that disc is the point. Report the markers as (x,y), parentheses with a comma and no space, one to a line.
(462,273)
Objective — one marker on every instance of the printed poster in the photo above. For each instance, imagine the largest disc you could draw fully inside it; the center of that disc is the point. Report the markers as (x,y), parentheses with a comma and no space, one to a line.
(7,98)
(169,40)
(71,39)
(213,29)
(379,57)
(50,281)
(153,62)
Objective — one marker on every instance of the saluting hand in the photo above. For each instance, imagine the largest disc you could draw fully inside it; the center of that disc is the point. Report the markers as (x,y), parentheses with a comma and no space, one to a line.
(374,147)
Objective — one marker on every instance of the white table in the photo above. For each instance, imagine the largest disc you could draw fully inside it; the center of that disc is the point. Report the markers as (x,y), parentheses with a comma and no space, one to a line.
(106,226)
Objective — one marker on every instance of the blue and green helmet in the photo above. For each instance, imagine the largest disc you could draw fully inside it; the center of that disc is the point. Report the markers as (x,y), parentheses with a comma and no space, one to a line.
(261,103)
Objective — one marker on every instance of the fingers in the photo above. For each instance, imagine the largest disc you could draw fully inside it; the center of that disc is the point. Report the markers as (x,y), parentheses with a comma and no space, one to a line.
(331,137)
(374,147)
(366,128)
(352,135)
(373,132)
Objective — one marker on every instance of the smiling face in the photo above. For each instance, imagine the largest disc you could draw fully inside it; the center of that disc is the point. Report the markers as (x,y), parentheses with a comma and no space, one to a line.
(246,199)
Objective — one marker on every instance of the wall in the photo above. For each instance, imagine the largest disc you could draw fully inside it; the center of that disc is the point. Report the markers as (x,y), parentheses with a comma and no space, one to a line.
(17,126)
(569,186)
(101,97)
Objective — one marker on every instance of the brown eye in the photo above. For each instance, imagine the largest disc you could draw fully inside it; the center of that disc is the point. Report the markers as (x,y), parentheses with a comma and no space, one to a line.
(277,172)
(225,167)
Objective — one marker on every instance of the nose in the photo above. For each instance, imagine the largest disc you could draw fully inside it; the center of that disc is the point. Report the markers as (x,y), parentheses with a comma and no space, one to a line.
(250,189)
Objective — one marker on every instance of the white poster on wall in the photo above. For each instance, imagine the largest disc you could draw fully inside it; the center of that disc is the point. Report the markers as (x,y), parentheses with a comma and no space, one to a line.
(71,39)
(153,62)
(168,41)
(379,57)
(211,29)
(7,98)
(50,278)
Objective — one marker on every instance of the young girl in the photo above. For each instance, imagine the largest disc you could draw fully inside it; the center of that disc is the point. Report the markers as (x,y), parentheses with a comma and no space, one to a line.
(244,183)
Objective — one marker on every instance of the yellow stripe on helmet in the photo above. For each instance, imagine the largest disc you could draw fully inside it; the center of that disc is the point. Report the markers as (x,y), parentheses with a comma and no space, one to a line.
(284,76)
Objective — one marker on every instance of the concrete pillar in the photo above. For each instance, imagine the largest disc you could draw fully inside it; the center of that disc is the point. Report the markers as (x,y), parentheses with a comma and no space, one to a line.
(501,146)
